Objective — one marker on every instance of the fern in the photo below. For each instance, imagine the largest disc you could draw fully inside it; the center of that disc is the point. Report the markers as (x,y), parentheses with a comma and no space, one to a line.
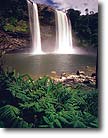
(43,126)
(17,92)
(26,103)
(94,124)
(20,123)
(79,124)
(46,120)
(58,123)
(8,112)
(63,120)
(90,119)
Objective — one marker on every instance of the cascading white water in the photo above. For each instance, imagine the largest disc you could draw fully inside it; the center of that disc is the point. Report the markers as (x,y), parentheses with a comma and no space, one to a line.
(63,31)
(63,34)
(34,27)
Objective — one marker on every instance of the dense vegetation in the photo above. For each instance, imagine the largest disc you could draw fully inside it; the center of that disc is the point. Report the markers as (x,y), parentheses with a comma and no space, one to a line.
(85,26)
(26,103)
(14,16)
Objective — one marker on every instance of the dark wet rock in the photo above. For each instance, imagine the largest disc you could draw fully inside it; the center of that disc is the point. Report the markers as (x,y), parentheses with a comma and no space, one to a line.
(82,76)
(93,75)
(9,43)
(69,80)
(86,81)
(18,35)
(63,74)
(80,72)
(73,79)
(77,73)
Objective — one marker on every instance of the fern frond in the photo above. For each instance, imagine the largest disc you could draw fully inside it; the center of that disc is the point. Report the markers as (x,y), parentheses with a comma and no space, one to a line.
(9,112)
(20,123)
(57,122)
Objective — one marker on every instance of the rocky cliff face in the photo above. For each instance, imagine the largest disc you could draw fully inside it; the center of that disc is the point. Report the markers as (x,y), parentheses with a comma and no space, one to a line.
(48,26)
(46,15)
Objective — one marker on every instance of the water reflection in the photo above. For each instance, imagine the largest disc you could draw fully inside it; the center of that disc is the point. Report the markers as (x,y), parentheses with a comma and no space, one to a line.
(44,64)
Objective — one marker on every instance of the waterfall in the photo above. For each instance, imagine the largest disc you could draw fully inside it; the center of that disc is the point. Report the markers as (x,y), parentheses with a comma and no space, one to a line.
(63,33)
(34,27)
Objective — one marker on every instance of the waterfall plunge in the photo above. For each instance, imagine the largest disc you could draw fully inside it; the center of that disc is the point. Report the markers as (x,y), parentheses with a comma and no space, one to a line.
(63,31)
(35,28)
(63,34)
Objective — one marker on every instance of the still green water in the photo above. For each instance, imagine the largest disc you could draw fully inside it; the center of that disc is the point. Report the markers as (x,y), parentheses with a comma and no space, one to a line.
(44,64)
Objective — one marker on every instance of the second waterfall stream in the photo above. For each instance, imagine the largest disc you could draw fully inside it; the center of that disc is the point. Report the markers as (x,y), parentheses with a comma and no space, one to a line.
(63,33)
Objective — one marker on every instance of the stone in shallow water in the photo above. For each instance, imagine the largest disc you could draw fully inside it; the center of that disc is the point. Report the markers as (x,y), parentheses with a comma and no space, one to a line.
(80,72)
(53,73)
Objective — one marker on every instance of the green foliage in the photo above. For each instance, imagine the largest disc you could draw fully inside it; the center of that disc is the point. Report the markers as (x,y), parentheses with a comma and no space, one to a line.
(85,26)
(12,12)
(10,116)
(22,26)
(13,20)
(8,112)
(26,103)
(9,27)
(16,26)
